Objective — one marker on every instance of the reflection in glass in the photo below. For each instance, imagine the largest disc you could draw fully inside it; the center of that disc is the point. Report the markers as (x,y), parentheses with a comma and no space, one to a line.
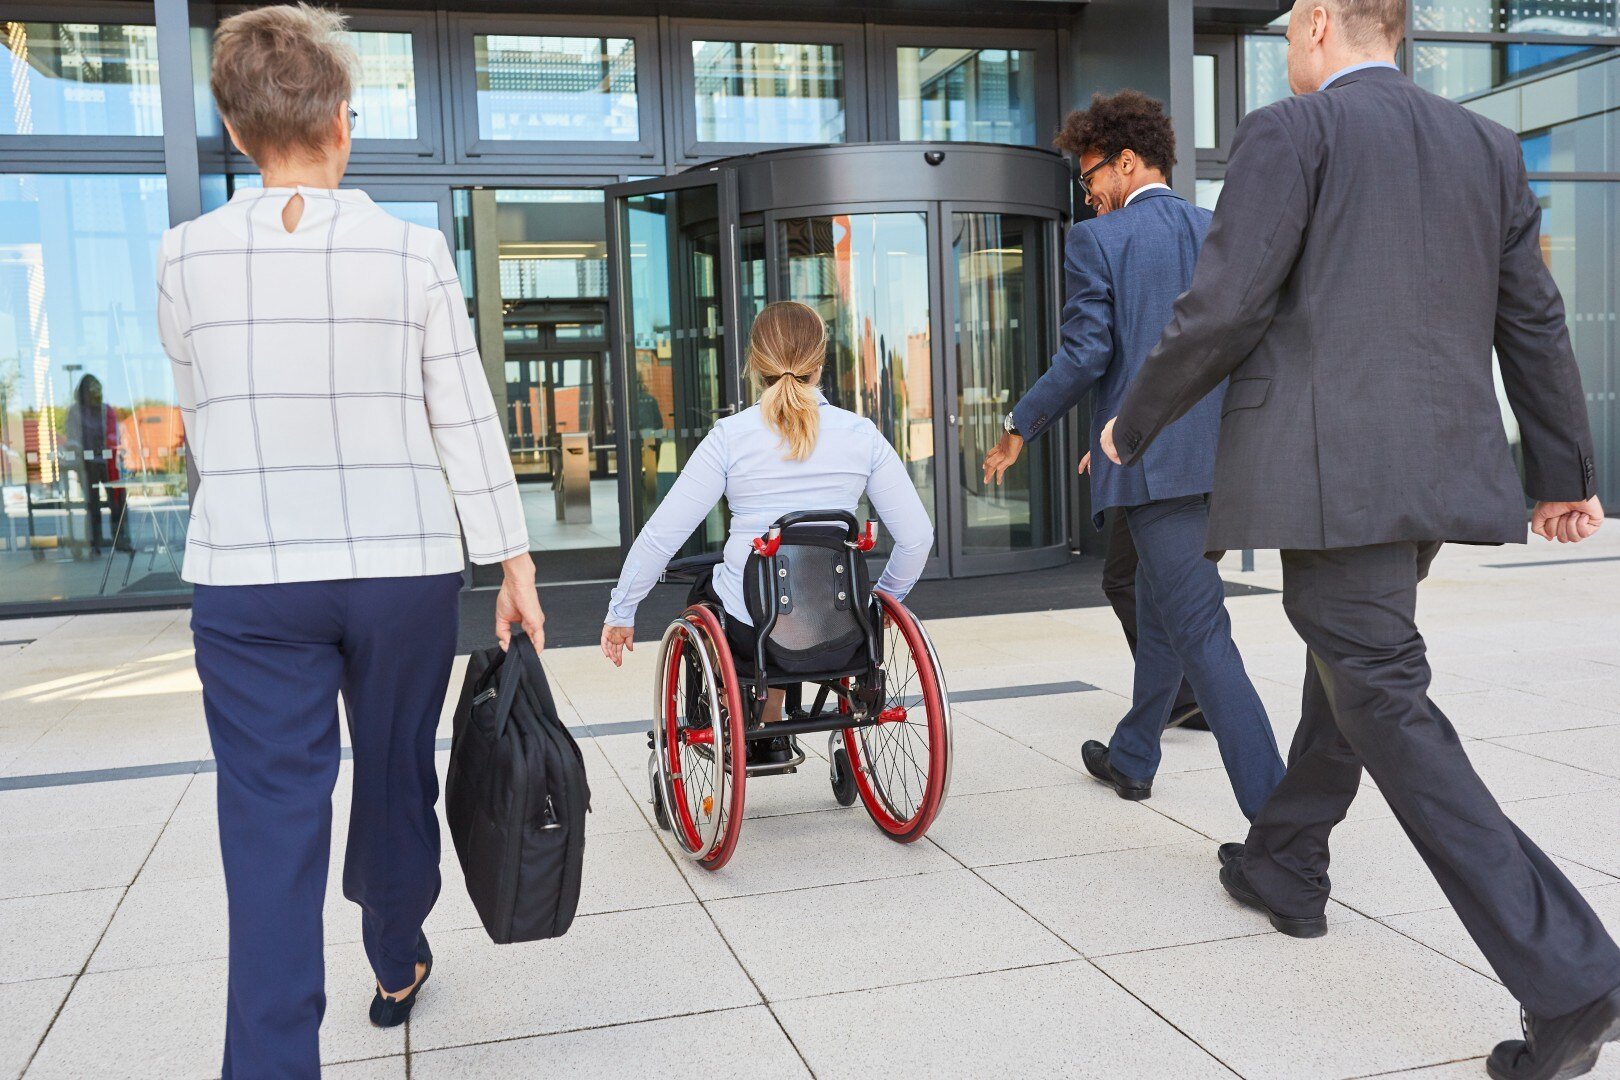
(672,299)
(1209,193)
(570,89)
(1564,101)
(867,276)
(384,85)
(999,277)
(1518,16)
(553,244)
(967,95)
(1265,70)
(754,91)
(1205,97)
(79,79)
(92,454)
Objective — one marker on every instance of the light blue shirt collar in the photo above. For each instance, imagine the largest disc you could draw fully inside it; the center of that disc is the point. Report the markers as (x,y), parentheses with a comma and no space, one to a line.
(1342,72)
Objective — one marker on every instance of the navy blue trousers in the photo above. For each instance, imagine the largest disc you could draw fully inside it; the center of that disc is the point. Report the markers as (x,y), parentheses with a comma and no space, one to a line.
(273,660)
(1182,630)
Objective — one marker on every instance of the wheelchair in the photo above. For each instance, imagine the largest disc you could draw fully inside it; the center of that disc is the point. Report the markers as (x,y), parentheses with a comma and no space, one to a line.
(879,691)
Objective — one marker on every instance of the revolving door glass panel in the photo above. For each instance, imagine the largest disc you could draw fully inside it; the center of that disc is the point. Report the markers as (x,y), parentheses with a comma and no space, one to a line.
(1000,292)
(867,275)
(674,338)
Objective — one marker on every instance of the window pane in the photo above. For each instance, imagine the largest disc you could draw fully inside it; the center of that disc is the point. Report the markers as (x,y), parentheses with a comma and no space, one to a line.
(1518,16)
(749,91)
(1265,70)
(1209,193)
(385,86)
(553,244)
(79,79)
(92,461)
(1564,101)
(1205,93)
(568,89)
(967,95)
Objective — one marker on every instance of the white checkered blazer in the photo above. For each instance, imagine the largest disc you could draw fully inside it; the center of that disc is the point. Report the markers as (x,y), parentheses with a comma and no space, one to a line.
(330,383)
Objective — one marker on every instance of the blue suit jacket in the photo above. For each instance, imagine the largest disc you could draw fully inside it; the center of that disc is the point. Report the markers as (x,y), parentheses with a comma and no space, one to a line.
(1123,272)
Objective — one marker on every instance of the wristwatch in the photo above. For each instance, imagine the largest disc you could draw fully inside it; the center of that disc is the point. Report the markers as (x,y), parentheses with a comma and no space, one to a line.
(1009,427)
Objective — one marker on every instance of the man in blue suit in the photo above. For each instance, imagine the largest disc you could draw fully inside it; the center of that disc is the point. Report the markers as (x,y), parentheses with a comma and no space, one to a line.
(1124,270)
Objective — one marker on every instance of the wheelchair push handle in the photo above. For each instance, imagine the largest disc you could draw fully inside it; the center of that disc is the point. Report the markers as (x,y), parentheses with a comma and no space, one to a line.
(860,538)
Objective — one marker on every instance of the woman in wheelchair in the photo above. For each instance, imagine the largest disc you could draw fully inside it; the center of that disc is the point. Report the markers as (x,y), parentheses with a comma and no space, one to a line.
(792,469)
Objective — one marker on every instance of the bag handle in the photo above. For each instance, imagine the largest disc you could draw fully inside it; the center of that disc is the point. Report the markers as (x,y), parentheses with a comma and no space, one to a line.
(520,654)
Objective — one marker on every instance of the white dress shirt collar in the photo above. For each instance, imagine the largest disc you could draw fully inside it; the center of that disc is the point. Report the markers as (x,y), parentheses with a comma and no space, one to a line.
(1138,191)
(1363,66)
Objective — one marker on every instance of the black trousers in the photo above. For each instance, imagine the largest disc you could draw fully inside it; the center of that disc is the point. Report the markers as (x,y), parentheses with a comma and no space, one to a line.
(1366,704)
(1119,585)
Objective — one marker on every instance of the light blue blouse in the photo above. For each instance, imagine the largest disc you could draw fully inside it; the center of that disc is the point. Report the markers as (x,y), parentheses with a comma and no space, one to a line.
(742,459)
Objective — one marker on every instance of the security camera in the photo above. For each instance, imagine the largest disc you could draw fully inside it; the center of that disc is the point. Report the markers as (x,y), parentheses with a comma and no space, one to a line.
(933,157)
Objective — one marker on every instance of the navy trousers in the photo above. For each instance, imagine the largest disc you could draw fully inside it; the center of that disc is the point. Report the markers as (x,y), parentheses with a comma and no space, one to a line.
(1183,631)
(273,660)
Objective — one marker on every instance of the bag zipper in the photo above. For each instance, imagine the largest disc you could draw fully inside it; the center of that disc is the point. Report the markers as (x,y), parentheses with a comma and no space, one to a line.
(485,696)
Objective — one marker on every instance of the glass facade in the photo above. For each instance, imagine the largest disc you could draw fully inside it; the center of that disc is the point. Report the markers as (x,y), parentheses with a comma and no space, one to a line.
(384,85)
(768,92)
(92,459)
(569,89)
(966,94)
(79,79)
(1564,17)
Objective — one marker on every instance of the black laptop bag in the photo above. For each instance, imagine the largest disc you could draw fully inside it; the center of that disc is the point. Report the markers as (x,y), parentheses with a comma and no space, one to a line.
(516,797)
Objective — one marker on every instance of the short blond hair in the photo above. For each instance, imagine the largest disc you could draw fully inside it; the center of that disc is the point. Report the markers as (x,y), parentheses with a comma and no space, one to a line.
(280,73)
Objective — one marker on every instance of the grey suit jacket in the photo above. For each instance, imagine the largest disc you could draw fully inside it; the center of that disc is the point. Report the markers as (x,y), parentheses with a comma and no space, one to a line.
(1372,244)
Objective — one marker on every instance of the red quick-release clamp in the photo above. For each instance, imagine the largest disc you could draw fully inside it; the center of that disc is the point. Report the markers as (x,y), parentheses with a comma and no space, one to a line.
(868,539)
(765,546)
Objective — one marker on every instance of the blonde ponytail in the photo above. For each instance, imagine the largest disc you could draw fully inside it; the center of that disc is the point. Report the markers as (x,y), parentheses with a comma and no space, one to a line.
(786,349)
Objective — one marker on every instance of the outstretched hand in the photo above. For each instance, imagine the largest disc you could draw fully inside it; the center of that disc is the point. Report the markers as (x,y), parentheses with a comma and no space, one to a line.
(1567,522)
(518,602)
(616,639)
(1107,441)
(1002,457)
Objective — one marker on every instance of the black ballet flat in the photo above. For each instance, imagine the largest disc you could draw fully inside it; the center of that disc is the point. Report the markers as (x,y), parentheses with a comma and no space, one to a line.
(387,1013)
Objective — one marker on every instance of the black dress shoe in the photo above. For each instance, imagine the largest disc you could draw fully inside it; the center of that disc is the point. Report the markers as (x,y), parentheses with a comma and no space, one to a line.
(1236,883)
(1190,717)
(387,1012)
(1559,1048)
(1095,755)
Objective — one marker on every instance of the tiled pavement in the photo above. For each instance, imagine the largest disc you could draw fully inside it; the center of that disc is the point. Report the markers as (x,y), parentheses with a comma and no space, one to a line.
(1044,928)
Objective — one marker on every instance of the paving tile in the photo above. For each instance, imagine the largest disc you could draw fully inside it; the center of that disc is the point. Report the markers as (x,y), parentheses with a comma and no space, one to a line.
(53,862)
(74,745)
(1513,776)
(45,936)
(90,806)
(741,1044)
(26,1012)
(1501,711)
(608,969)
(1596,749)
(1121,901)
(1362,1000)
(984,759)
(1059,1020)
(1076,818)
(385,1068)
(1376,870)
(1203,801)
(1441,930)
(1582,828)
(875,933)
(1608,1068)
(188,848)
(808,850)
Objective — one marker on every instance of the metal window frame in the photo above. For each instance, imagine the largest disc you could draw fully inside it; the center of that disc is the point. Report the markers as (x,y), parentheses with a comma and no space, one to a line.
(462,98)
(883,71)
(1228,90)
(682,32)
(49,149)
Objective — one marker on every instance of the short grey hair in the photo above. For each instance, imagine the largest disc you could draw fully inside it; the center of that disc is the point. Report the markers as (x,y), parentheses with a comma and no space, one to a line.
(279,75)
(1368,24)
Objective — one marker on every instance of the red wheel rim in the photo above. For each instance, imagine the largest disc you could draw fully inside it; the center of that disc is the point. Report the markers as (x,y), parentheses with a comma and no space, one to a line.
(703,625)
(904,804)
(680,809)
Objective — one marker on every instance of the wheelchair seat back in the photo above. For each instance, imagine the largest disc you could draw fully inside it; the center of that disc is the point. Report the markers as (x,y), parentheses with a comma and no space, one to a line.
(812,614)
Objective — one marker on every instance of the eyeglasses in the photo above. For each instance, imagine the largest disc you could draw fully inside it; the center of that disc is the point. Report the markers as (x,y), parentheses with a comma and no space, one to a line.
(353,116)
(1085,187)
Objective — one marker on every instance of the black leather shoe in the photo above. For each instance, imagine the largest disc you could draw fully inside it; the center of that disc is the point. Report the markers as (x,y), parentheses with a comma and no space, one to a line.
(387,1012)
(1559,1048)
(1095,755)
(1189,719)
(1236,883)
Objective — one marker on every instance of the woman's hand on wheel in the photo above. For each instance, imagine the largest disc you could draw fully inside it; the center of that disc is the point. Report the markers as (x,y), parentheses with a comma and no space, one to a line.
(616,639)
(519,602)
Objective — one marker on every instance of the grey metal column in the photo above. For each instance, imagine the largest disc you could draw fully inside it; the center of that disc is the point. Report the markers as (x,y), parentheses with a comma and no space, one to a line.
(177,92)
(1145,45)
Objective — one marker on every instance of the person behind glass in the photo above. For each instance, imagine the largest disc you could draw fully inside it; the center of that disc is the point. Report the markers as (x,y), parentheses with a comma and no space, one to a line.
(329,384)
(90,435)
(791,451)
(1123,270)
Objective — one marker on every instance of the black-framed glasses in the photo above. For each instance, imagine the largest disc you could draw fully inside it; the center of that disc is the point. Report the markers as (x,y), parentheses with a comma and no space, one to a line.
(1084,178)
(353,116)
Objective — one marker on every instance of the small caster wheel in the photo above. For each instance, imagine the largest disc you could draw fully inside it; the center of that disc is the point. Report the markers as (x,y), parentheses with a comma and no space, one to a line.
(660,812)
(843,778)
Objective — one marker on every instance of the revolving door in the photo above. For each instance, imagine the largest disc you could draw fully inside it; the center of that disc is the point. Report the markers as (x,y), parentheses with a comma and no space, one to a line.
(937,270)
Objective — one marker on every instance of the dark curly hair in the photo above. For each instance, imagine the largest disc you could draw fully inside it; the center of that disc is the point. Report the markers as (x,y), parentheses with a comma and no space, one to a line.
(1128,120)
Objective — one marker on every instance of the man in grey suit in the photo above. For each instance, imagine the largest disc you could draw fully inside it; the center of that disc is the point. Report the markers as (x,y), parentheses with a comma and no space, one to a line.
(1123,270)
(1373,243)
